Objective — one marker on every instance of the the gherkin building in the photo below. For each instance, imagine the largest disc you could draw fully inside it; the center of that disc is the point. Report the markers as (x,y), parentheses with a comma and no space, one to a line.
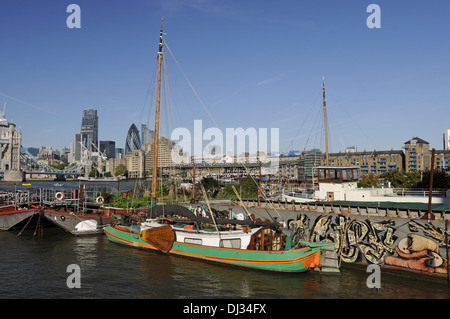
(133,142)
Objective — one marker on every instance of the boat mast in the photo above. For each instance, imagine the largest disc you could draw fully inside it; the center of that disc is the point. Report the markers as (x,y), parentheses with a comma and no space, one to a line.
(158,97)
(325,120)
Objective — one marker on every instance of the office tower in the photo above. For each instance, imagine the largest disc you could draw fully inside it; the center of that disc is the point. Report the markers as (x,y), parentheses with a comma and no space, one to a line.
(75,149)
(133,142)
(108,148)
(147,135)
(119,153)
(89,130)
(447,140)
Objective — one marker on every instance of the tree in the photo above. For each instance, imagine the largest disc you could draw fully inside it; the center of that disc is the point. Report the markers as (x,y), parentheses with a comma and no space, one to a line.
(248,187)
(211,185)
(368,180)
(121,170)
(440,180)
(400,179)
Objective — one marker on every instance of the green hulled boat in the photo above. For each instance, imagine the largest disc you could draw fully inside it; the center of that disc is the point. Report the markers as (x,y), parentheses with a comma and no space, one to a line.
(246,243)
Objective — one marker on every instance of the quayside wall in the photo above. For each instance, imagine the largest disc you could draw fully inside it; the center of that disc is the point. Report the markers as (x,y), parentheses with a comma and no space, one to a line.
(403,238)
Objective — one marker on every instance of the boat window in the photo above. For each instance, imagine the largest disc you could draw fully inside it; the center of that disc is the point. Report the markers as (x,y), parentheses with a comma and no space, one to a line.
(355,174)
(196,241)
(334,174)
(322,174)
(344,175)
(230,243)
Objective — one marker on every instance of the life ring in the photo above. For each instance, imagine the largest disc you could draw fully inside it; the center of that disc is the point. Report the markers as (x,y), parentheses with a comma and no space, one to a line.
(59,196)
(100,200)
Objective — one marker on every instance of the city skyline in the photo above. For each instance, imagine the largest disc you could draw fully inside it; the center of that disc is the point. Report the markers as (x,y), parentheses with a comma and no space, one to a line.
(254,64)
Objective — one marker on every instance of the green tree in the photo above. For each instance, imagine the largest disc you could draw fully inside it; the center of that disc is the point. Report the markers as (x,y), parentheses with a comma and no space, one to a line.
(211,186)
(121,170)
(400,179)
(228,191)
(440,180)
(369,180)
(248,187)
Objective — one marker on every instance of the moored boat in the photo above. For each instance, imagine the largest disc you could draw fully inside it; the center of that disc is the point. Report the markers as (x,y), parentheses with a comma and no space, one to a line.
(247,243)
(12,217)
(85,222)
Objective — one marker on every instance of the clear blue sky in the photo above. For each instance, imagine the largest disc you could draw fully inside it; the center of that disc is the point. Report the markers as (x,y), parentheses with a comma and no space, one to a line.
(254,63)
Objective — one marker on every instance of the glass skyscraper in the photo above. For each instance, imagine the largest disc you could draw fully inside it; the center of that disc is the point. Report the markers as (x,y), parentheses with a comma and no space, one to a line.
(133,142)
(147,135)
(89,130)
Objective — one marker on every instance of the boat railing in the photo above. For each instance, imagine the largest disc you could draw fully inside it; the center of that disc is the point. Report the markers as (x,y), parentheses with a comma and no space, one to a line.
(424,192)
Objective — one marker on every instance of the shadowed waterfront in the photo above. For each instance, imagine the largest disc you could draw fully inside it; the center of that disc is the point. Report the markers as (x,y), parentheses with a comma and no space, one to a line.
(36,267)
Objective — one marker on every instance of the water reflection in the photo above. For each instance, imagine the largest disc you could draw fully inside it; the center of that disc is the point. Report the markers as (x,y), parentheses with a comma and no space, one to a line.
(199,279)
(37,268)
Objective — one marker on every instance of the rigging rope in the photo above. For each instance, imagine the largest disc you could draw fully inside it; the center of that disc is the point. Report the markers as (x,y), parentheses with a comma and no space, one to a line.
(215,123)
(195,92)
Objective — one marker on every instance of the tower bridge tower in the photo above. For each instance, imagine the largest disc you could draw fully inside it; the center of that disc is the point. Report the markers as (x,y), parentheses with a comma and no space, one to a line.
(10,145)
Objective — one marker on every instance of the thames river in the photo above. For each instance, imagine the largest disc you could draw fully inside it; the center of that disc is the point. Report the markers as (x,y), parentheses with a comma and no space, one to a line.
(37,267)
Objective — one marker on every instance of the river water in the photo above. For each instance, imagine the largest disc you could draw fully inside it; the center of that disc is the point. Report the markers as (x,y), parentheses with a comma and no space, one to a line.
(36,267)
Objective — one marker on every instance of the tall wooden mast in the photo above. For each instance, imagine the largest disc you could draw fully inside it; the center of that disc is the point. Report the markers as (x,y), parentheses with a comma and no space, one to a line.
(158,98)
(325,120)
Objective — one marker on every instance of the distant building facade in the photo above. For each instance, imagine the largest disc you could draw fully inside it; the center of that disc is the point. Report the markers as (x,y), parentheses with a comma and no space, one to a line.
(447,140)
(375,162)
(108,148)
(417,155)
(147,135)
(89,130)
(10,144)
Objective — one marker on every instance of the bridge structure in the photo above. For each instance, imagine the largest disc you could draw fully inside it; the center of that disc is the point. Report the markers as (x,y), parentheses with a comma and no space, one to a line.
(34,166)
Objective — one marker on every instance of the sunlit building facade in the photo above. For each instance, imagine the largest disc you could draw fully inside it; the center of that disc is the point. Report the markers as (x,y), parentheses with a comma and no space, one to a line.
(89,130)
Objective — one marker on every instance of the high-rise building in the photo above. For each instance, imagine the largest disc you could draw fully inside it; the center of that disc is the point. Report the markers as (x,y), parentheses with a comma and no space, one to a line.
(89,130)
(108,148)
(133,142)
(147,135)
(119,153)
(447,140)
(75,149)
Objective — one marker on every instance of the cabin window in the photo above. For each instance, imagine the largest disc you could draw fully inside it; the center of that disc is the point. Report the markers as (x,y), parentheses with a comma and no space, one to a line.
(230,243)
(322,174)
(334,175)
(355,174)
(344,175)
(196,241)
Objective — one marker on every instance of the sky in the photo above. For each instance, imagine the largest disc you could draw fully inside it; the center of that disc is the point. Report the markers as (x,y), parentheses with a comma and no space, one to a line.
(250,64)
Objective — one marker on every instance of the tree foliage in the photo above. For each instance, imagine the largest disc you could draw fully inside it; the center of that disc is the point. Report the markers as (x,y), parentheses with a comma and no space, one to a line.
(247,188)
(211,186)
(400,179)
(121,170)
(369,180)
(440,180)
